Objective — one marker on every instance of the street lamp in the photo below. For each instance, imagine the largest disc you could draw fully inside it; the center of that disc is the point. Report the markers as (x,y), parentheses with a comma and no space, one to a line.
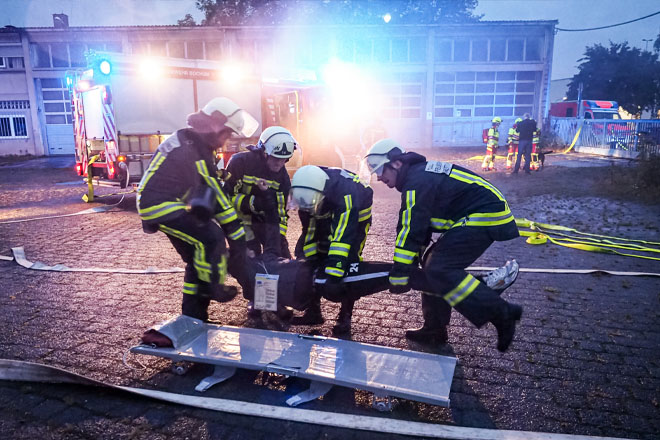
(646,40)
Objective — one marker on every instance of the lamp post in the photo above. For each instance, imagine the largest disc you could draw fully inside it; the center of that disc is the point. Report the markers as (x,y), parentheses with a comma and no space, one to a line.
(646,40)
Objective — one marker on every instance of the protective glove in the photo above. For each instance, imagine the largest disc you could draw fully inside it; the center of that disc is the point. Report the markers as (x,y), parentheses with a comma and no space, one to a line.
(399,279)
(264,202)
(202,204)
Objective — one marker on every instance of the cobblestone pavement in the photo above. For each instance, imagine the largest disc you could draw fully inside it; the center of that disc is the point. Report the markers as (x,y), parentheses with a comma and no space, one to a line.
(585,359)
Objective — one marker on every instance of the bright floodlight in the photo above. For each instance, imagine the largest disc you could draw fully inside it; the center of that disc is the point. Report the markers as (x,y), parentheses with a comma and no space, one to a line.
(232,73)
(150,69)
(387,17)
(105,67)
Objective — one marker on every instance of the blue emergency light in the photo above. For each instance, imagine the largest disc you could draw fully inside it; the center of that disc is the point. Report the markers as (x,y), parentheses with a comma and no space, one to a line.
(105,67)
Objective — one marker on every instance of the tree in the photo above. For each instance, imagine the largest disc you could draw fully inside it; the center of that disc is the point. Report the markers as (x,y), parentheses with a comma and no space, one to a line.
(276,12)
(188,20)
(620,73)
(656,44)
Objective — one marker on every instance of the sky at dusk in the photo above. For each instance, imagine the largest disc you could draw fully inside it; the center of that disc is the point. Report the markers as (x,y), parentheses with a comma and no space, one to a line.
(569,46)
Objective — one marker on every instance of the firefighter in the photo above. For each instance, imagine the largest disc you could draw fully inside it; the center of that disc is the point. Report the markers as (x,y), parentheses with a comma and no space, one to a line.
(471,213)
(536,164)
(335,213)
(491,145)
(259,184)
(513,144)
(180,195)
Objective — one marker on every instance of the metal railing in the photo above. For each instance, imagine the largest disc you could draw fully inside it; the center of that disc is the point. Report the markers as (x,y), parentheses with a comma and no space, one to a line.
(633,135)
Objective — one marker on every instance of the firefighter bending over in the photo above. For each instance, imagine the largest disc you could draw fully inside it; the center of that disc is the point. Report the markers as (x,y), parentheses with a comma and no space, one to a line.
(471,213)
(335,213)
(180,195)
(259,186)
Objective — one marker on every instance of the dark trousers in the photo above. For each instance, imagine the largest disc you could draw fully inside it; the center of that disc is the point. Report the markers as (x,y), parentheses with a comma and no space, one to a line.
(524,149)
(202,248)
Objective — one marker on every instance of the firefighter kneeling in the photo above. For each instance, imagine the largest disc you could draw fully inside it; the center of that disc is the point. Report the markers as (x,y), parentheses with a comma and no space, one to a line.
(180,195)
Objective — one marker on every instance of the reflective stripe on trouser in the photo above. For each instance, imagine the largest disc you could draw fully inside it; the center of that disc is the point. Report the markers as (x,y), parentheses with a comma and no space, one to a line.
(489,158)
(194,243)
(451,285)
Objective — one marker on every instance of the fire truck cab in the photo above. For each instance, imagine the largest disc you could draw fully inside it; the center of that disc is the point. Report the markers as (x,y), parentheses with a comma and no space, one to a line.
(591,109)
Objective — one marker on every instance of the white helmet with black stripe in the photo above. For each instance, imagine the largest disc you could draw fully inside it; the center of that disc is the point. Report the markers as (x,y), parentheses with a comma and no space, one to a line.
(277,142)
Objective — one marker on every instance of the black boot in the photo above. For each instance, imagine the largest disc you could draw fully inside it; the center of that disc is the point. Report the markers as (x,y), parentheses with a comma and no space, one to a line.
(428,335)
(312,315)
(436,313)
(343,324)
(222,293)
(506,326)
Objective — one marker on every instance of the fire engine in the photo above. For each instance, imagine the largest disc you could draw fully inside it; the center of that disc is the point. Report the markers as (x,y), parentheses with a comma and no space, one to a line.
(125,105)
(592,109)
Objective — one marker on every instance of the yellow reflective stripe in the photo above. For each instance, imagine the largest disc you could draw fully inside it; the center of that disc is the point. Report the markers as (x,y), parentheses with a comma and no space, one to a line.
(490,218)
(222,269)
(226,216)
(472,178)
(460,292)
(283,229)
(213,183)
(238,233)
(156,162)
(404,256)
(441,224)
(334,271)
(365,214)
(311,229)
(399,281)
(161,210)
(238,199)
(202,267)
(310,249)
(364,240)
(281,207)
(340,249)
(252,180)
(343,218)
(189,288)
(406,216)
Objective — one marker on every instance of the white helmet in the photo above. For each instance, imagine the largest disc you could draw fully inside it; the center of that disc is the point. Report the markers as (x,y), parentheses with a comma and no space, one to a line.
(277,142)
(381,153)
(227,112)
(307,188)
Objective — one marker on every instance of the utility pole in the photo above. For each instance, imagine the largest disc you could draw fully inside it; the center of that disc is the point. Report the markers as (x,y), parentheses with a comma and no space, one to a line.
(580,112)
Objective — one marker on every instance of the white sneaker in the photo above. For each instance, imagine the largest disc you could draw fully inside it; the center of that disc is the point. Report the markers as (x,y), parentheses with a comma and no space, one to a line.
(502,277)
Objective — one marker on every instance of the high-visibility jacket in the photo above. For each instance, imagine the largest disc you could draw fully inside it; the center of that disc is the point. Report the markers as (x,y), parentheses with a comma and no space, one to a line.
(493,137)
(338,230)
(513,138)
(439,196)
(182,164)
(244,170)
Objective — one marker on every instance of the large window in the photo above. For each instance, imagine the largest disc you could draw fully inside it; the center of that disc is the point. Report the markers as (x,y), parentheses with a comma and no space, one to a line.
(476,50)
(57,103)
(13,126)
(403,93)
(64,55)
(382,50)
(484,94)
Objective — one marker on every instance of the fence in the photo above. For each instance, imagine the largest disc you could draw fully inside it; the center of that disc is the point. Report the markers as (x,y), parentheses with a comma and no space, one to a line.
(630,137)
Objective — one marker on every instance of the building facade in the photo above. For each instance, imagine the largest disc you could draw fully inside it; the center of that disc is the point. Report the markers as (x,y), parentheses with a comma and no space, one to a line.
(442,84)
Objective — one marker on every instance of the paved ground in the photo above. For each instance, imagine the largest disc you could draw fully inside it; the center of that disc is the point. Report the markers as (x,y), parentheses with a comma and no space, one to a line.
(585,359)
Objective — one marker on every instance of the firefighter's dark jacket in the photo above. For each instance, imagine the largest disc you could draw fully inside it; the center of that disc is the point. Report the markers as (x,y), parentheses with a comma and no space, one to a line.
(440,196)
(244,170)
(335,229)
(183,164)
